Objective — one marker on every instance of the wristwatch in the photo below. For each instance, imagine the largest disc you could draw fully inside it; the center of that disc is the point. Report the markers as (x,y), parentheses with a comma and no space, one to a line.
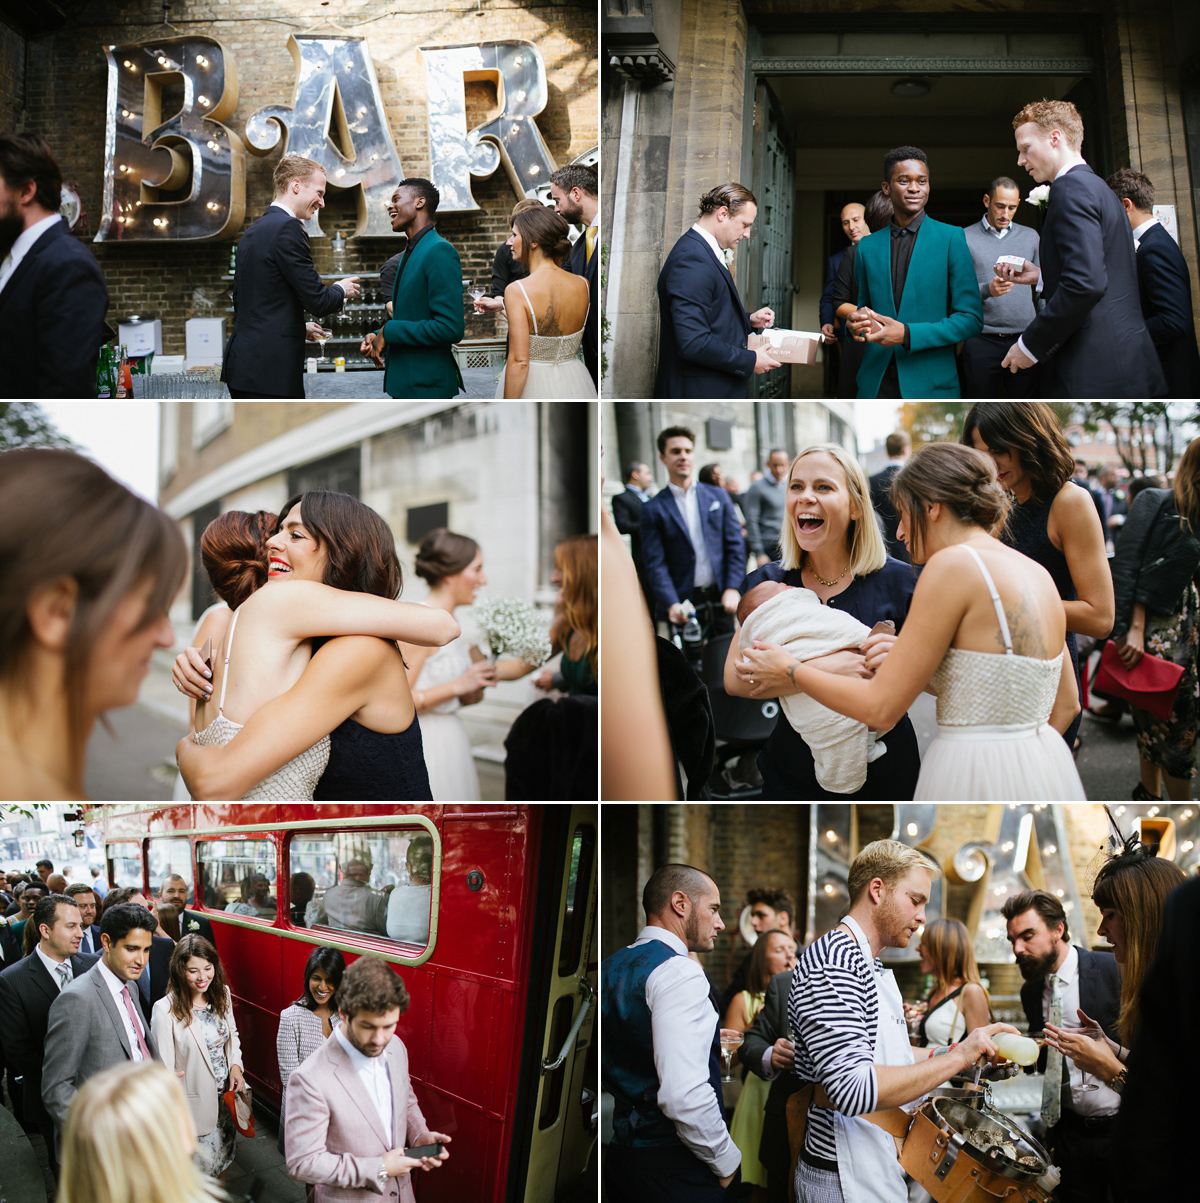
(382,1177)
(1118,1083)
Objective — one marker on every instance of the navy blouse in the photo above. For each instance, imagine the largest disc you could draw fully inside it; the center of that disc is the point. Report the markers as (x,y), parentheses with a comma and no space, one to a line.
(786,763)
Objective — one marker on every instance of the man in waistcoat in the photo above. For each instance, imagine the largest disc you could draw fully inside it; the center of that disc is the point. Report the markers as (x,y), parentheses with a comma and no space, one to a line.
(660,1060)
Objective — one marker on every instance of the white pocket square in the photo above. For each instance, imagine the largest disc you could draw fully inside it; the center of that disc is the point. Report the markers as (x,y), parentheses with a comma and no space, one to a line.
(716,505)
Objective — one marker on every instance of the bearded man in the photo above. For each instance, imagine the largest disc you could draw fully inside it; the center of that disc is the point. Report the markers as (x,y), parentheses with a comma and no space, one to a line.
(851,1038)
(660,1058)
(1067,985)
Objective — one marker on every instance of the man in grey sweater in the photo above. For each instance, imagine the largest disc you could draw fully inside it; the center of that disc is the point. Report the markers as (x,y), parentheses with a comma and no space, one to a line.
(1007,308)
(762,503)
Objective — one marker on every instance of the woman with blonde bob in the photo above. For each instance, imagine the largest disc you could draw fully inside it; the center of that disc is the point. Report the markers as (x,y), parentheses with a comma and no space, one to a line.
(831,544)
(129,1136)
(986,633)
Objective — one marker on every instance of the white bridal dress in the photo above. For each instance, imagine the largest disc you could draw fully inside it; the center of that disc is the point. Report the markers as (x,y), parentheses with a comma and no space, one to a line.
(448,756)
(555,369)
(994,740)
(297,779)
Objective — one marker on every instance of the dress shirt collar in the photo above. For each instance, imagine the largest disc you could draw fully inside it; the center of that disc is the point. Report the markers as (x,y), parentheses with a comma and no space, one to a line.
(115,984)
(913,226)
(1063,170)
(644,494)
(52,965)
(712,242)
(681,495)
(1066,973)
(280,205)
(25,240)
(1138,231)
(669,938)
(988,228)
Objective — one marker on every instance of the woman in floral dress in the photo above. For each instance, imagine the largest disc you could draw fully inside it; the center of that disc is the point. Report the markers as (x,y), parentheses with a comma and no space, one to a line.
(197,1037)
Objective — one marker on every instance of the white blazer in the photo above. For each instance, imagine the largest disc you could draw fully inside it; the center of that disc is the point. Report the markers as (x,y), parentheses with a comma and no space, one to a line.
(182,1048)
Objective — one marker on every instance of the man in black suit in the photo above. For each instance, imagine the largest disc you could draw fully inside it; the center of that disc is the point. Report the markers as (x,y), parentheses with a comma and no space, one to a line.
(703,327)
(49,281)
(627,513)
(85,899)
(27,990)
(575,190)
(174,890)
(275,282)
(1090,333)
(1164,284)
(1083,981)
(692,545)
(899,448)
(767,1052)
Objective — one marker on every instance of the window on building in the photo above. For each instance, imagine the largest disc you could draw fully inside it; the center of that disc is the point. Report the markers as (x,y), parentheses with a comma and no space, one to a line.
(375,883)
(238,876)
(125,864)
(340,473)
(579,879)
(170,858)
(209,418)
(421,519)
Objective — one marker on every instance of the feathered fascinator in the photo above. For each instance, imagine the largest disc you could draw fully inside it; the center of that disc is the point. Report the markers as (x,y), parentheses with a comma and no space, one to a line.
(1115,844)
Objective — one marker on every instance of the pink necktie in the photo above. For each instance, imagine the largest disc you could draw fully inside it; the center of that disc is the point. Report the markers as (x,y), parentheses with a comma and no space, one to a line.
(137,1027)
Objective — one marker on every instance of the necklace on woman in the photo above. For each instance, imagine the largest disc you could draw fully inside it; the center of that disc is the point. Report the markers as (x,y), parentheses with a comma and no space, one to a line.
(823,581)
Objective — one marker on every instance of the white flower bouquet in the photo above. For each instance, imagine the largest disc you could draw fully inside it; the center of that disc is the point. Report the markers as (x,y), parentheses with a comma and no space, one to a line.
(514,627)
(1039,196)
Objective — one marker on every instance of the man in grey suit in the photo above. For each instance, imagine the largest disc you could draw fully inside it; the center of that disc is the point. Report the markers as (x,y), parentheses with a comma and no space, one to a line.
(28,989)
(351,1111)
(95,1022)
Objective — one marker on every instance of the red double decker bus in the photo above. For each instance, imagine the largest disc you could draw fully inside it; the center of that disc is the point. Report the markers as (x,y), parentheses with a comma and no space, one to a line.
(488,912)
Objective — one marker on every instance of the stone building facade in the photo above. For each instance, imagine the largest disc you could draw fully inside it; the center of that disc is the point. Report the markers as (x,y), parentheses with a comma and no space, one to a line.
(801,99)
(54,79)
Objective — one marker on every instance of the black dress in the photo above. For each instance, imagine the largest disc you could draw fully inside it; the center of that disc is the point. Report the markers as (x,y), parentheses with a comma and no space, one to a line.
(786,763)
(374,766)
(1026,532)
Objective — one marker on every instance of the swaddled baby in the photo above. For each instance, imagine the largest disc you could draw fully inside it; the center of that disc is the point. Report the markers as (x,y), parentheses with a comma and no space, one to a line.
(795,619)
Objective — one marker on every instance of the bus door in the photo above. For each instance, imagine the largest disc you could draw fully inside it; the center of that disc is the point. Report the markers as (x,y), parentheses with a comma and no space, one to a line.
(564,1126)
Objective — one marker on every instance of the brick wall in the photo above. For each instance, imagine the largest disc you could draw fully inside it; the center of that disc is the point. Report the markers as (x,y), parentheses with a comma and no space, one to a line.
(66,89)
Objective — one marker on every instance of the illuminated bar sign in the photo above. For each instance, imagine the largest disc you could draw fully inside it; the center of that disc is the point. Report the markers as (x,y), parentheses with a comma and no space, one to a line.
(184,178)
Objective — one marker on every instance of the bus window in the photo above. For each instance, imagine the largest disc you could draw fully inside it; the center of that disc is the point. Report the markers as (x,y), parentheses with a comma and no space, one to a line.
(575,912)
(125,864)
(373,882)
(238,876)
(170,858)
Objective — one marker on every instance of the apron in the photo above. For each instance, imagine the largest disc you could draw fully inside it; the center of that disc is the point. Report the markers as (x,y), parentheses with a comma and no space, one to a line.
(867,1164)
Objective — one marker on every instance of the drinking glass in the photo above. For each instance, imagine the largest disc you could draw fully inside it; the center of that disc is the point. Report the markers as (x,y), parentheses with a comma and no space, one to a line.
(731,1041)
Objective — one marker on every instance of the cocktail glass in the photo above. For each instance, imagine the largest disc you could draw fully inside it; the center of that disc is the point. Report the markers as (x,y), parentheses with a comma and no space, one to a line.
(731,1041)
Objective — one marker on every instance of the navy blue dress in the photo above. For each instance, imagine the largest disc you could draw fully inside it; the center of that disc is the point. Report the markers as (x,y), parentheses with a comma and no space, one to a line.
(1026,532)
(374,766)
(786,763)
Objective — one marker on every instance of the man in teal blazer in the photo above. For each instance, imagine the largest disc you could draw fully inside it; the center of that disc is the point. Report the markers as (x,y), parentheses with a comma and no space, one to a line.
(926,264)
(427,305)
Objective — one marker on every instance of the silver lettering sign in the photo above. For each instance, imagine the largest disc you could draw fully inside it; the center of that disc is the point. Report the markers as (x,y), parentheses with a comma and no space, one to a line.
(456,153)
(171,176)
(336,93)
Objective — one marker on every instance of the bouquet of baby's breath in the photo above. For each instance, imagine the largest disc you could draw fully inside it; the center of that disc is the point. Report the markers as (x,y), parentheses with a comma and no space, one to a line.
(513,627)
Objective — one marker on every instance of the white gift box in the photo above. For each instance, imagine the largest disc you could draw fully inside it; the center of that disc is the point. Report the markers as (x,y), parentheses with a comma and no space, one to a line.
(205,341)
(787,346)
(141,337)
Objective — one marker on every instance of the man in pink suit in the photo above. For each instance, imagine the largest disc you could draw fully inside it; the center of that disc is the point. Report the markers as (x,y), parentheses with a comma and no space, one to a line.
(351,1111)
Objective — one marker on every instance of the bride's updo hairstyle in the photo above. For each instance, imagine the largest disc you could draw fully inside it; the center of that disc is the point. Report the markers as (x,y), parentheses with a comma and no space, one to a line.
(442,553)
(1030,430)
(234,551)
(360,551)
(960,478)
(545,227)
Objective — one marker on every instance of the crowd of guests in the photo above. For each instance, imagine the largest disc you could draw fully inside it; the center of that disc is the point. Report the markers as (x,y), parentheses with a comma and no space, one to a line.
(829,1039)
(989,571)
(1098,305)
(84,1033)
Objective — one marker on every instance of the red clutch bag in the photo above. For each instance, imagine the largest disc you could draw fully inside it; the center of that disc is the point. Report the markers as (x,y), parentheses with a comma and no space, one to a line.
(1150,685)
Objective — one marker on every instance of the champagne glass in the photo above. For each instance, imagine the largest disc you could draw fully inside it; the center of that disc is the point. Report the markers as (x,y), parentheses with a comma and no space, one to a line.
(476,293)
(1086,1082)
(321,341)
(731,1041)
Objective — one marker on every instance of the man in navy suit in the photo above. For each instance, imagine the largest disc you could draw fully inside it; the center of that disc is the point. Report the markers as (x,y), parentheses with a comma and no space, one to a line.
(275,282)
(26,991)
(703,327)
(575,191)
(85,899)
(49,281)
(692,545)
(854,226)
(1090,333)
(1164,284)
(174,890)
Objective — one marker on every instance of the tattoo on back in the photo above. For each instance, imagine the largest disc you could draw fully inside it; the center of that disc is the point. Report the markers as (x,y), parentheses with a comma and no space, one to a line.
(549,324)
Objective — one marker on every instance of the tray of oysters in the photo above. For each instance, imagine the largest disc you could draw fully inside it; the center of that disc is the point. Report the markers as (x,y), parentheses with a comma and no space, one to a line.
(998,1141)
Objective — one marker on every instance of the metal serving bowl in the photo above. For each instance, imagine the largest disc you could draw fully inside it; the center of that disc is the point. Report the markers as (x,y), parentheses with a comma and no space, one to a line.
(1002,1145)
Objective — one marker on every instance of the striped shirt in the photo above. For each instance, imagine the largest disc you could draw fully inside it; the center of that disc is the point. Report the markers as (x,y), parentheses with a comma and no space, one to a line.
(833,1011)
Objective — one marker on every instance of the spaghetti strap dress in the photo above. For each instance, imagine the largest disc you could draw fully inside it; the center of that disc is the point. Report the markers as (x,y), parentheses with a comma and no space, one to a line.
(297,779)
(994,740)
(555,369)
